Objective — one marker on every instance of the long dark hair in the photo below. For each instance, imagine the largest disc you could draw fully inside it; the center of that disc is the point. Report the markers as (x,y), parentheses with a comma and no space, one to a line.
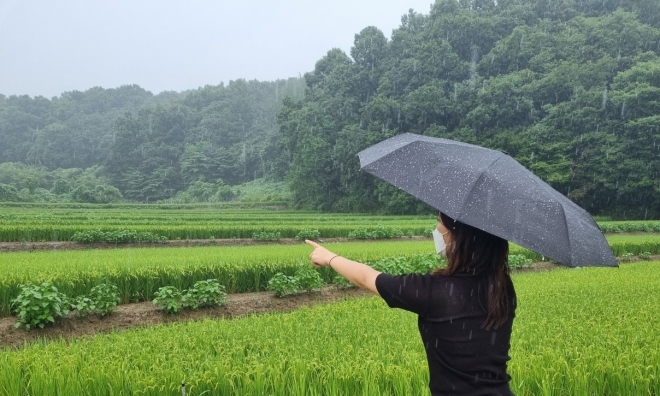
(474,252)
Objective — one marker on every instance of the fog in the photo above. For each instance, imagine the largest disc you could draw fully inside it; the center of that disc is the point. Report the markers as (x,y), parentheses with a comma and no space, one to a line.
(47,48)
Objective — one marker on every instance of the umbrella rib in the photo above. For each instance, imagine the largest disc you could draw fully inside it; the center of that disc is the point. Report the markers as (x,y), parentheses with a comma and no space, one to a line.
(568,237)
(475,183)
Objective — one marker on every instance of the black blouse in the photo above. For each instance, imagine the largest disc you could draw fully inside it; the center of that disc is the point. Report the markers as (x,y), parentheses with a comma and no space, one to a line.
(463,358)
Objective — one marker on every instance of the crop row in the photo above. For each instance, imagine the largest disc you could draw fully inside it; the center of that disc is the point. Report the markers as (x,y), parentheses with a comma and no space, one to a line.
(593,331)
(35,233)
(148,217)
(140,272)
(38,232)
(60,225)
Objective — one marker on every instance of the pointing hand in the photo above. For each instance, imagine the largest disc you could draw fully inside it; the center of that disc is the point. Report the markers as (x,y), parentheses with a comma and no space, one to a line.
(320,256)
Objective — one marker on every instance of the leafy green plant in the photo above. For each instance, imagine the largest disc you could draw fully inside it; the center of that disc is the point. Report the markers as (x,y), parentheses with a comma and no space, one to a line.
(625,257)
(308,278)
(169,299)
(308,234)
(283,284)
(89,236)
(206,293)
(645,256)
(519,261)
(105,298)
(102,299)
(122,236)
(83,306)
(419,263)
(341,283)
(38,305)
(379,232)
(266,236)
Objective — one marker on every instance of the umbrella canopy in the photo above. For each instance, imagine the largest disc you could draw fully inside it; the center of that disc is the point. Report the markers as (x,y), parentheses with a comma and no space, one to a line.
(489,190)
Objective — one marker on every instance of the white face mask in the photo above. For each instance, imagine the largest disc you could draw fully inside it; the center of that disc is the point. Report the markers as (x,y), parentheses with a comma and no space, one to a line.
(440,245)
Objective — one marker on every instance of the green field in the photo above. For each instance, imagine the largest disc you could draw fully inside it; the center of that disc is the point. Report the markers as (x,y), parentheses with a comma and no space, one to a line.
(32,224)
(591,331)
(139,272)
(28,224)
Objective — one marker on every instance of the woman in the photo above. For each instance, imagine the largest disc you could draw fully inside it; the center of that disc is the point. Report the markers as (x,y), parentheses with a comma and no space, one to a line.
(465,311)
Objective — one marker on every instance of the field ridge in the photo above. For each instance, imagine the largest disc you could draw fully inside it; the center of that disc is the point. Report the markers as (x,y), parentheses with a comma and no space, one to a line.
(132,315)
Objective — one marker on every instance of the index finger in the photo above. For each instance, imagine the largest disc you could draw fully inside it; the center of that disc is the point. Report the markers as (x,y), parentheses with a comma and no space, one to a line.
(312,244)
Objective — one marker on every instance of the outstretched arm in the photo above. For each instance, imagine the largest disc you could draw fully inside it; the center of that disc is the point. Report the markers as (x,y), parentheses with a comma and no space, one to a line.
(359,274)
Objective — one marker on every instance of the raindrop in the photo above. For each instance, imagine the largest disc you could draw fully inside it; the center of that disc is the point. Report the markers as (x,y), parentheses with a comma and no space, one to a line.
(623,108)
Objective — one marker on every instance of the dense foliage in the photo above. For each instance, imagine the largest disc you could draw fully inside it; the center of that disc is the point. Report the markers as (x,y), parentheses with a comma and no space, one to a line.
(103,145)
(102,299)
(39,304)
(569,88)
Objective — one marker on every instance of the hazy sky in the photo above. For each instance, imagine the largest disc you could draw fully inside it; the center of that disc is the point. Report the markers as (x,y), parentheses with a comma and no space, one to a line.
(48,47)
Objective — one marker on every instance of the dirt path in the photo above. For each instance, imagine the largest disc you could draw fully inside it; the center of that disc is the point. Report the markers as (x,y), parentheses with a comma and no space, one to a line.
(70,245)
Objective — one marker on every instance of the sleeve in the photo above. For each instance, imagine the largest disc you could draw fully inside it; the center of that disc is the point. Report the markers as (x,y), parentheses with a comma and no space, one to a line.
(410,292)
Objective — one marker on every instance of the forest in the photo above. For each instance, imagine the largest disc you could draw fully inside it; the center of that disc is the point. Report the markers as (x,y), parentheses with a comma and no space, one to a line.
(570,88)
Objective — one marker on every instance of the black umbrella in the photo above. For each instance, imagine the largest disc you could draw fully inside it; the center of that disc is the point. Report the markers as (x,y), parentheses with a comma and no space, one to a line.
(489,190)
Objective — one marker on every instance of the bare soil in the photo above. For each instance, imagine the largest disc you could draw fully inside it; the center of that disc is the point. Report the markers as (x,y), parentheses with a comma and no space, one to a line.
(70,245)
